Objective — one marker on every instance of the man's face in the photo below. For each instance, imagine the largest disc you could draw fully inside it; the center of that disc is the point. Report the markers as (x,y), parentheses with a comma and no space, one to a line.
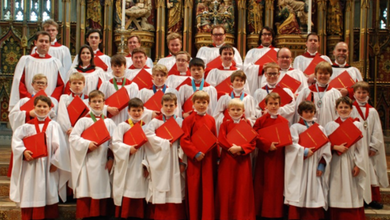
(266,38)
(284,58)
(52,30)
(94,40)
(218,36)
(133,43)
(43,44)
(340,53)
(139,60)
(174,46)
(312,43)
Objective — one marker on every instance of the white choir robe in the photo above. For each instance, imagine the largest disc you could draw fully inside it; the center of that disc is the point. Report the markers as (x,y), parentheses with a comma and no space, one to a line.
(17,117)
(301,62)
(352,71)
(145,95)
(91,78)
(90,178)
(166,183)
(128,174)
(168,62)
(108,89)
(216,76)
(252,70)
(173,81)
(60,52)
(287,111)
(131,73)
(251,113)
(208,54)
(327,112)
(105,58)
(32,184)
(30,66)
(296,74)
(186,92)
(374,137)
(345,190)
(302,187)
(129,62)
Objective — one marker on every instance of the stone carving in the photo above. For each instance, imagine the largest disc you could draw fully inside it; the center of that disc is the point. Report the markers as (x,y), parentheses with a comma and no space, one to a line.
(334,18)
(175,15)
(137,13)
(215,12)
(255,16)
(292,16)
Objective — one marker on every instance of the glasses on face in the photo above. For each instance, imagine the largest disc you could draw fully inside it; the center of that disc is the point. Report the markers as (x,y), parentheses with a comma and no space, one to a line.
(41,83)
(96,101)
(266,34)
(284,57)
(181,60)
(272,73)
(218,35)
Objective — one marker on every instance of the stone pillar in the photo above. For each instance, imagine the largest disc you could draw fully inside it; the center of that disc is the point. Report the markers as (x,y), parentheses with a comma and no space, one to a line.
(80,26)
(363,48)
(269,13)
(107,30)
(66,23)
(349,25)
(187,26)
(160,30)
(241,36)
(321,25)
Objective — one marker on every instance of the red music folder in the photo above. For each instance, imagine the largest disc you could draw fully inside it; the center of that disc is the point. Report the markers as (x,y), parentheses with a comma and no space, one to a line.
(187,106)
(37,144)
(170,130)
(173,70)
(29,105)
(154,102)
(99,62)
(224,87)
(313,137)
(241,134)
(76,110)
(289,82)
(344,80)
(119,99)
(185,82)
(143,79)
(279,132)
(204,139)
(97,132)
(214,63)
(270,56)
(285,98)
(310,69)
(135,136)
(346,132)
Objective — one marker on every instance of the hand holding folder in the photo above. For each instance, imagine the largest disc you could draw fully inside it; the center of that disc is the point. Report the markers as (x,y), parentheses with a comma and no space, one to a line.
(154,102)
(224,87)
(170,130)
(241,134)
(29,105)
(36,144)
(310,69)
(135,136)
(97,132)
(188,105)
(347,132)
(270,56)
(279,133)
(120,99)
(313,137)
(285,98)
(76,110)
(204,139)
(143,79)
(290,83)
(344,80)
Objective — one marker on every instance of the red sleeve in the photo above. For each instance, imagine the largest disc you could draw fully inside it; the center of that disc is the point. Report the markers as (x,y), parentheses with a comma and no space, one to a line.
(23,92)
(110,153)
(28,117)
(322,161)
(206,72)
(59,88)
(99,83)
(67,89)
(350,93)
(261,143)
(222,137)
(260,70)
(248,148)
(214,130)
(185,142)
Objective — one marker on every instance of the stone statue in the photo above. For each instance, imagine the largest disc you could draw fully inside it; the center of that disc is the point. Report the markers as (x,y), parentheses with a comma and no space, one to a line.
(94,14)
(213,12)
(255,16)
(138,13)
(203,22)
(334,18)
(175,15)
(292,14)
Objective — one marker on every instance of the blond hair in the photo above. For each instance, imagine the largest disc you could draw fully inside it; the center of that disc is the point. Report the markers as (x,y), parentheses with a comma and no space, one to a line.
(173,36)
(159,68)
(236,103)
(324,66)
(270,65)
(361,85)
(39,76)
(76,76)
(49,22)
(94,94)
(185,53)
(274,96)
(200,95)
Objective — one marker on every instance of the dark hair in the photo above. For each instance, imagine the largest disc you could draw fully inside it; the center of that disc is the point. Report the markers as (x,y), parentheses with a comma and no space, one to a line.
(44,33)
(118,60)
(196,62)
(95,93)
(226,47)
(306,106)
(43,99)
(217,26)
(344,99)
(169,96)
(238,73)
(92,55)
(139,50)
(313,34)
(272,33)
(135,103)
(361,85)
(91,31)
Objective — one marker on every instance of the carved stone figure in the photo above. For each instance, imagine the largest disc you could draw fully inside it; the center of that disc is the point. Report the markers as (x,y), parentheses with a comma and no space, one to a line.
(334,18)
(175,15)
(255,16)
(94,14)
(138,13)
(292,14)
(212,12)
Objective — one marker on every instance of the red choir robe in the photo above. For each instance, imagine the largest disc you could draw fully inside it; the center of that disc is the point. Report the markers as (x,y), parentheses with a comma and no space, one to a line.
(269,173)
(200,175)
(234,191)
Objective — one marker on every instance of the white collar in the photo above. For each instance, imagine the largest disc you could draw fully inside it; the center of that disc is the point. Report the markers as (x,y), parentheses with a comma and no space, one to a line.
(226,67)
(313,54)
(54,41)
(96,51)
(340,65)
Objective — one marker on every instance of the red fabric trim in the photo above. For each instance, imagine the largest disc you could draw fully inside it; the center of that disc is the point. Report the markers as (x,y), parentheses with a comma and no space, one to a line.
(56,44)
(131,208)
(128,55)
(36,55)
(308,55)
(305,213)
(88,207)
(376,194)
(165,211)
(232,67)
(337,66)
(321,89)
(23,92)
(128,82)
(45,212)
(59,88)
(347,213)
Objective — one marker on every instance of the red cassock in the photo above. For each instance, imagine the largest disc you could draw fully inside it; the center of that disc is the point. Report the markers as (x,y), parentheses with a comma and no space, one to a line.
(234,192)
(200,175)
(269,173)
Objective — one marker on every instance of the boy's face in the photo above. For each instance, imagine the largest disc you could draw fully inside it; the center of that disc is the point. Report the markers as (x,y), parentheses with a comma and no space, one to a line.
(43,44)
(118,70)
(308,114)
(174,46)
(52,30)
(39,84)
(322,76)
(181,61)
(136,112)
(343,109)
(169,107)
(238,82)
(236,111)
(139,60)
(94,40)
(42,108)
(272,105)
(227,56)
(272,75)
(77,86)
(197,72)
(133,43)
(361,95)
(97,103)
(201,105)
(159,78)
(85,55)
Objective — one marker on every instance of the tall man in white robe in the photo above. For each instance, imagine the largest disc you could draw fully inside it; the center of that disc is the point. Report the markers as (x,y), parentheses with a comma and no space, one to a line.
(174,43)
(30,65)
(134,41)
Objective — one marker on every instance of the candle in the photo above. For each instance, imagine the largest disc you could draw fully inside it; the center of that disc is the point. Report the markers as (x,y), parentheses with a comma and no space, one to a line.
(309,17)
(123,14)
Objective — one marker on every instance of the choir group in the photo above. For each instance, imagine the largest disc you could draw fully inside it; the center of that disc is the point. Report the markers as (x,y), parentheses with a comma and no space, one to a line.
(210,137)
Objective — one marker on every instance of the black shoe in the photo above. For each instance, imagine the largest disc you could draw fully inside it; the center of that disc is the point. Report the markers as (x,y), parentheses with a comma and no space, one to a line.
(376,205)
